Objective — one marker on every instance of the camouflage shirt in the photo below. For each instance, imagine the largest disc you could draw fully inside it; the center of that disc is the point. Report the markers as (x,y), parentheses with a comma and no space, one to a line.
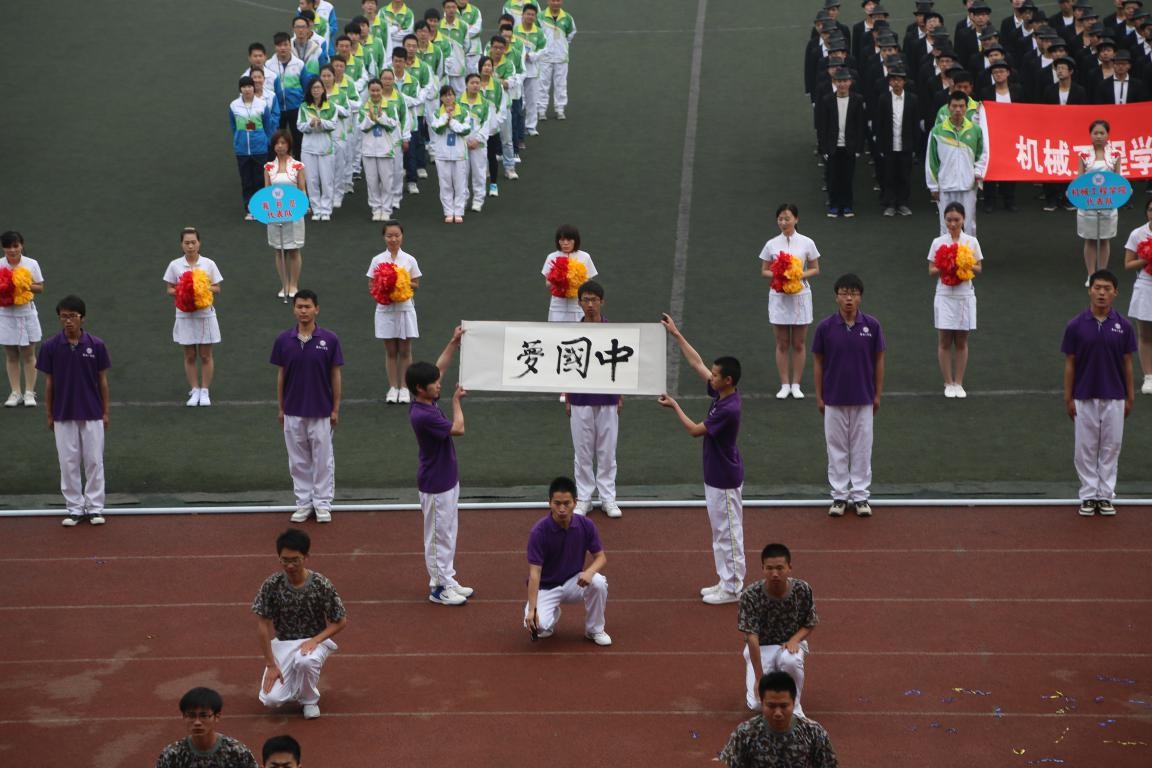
(300,612)
(226,753)
(755,745)
(774,620)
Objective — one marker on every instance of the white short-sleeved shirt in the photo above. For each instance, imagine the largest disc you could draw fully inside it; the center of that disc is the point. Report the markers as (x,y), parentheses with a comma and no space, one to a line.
(798,245)
(965,288)
(1139,235)
(179,266)
(33,268)
(560,303)
(402,259)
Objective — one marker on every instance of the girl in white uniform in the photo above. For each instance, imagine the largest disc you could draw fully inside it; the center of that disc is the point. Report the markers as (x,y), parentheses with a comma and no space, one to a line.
(1140,309)
(396,322)
(381,131)
(319,120)
(1097,228)
(562,309)
(450,127)
(955,305)
(20,325)
(195,331)
(287,238)
(790,313)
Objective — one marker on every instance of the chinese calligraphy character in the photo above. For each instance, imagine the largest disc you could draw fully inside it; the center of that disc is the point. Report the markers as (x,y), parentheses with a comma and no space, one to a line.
(1027,156)
(614,356)
(1056,158)
(1140,158)
(574,355)
(530,354)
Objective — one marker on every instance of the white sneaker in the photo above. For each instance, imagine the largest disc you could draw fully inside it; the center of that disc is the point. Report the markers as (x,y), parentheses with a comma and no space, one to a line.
(712,589)
(301,514)
(477,207)
(13,400)
(796,393)
(96,518)
(311,711)
(315,217)
(446,596)
(29,399)
(338,201)
(205,400)
(542,116)
(611,509)
(949,390)
(421,173)
(377,216)
(721,597)
(600,638)
(560,115)
(462,590)
(323,515)
(583,507)
(405,396)
(393,395)
(1146,388)
(958,390)
(511,174)
(71,521)
(533,132)
(785,390)
(193,398)
(325,217)
(516,159)
(412,188)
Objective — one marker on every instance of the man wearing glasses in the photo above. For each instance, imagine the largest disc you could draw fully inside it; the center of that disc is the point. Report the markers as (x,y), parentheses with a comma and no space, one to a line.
(75,366)
(203,746)
(300,611)
(848,366)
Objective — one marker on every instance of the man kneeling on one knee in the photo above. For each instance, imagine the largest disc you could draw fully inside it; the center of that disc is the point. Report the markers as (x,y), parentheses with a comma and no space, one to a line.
(776,616)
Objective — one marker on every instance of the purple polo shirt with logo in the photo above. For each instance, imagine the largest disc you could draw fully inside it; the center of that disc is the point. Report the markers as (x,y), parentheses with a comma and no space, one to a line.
(560,552)
(1099,349)
(848,355)
(438,471)
(580,398)
(723,467)
(75,372)
(307,371)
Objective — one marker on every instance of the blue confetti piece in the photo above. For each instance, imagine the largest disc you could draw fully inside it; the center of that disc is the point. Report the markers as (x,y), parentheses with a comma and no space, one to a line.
(694,734)
(934,724)
(1099,699)
(1106,723)
(953,730)
(947,699)
(1139,702)
(1046,760)
(1118,680)
(998,713)
(912,692)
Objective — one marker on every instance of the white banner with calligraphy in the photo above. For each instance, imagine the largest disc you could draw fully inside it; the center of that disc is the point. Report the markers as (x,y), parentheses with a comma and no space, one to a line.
(608,358)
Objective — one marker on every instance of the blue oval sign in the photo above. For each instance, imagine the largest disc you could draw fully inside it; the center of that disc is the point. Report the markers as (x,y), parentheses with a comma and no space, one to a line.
(278,204)
(1097,190)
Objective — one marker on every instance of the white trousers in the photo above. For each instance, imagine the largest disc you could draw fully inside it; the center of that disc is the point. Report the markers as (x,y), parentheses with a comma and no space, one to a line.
(343,170)
(531,102)
(554,78)
(299,674)
(321,175)
(478,168)
(595,597)
(398,175)
(775,658)
(595,429)
(968,200)
(726,516)
(379,175)
(441,521)
(453,178)
(1099,434)
(848,435)
(81,444)
(311,461)
(507,150)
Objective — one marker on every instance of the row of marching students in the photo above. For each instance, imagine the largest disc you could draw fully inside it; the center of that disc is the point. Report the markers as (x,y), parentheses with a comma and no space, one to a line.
(353,103)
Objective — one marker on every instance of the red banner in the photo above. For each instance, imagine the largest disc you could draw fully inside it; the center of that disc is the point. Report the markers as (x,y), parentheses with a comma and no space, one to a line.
(1041,142)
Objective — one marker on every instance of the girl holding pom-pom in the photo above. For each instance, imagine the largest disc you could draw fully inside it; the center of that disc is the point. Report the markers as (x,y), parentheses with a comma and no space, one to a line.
(576,266)
(393,276)
(1138,256)
(19,324)
(193,281)
(955,258)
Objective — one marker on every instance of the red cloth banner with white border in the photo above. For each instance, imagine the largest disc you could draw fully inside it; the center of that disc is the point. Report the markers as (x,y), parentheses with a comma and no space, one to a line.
(1041,142)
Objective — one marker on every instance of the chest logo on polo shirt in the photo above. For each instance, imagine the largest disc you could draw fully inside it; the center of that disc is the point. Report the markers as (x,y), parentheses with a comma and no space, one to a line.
(322,343)
(865,330)
(1117,328)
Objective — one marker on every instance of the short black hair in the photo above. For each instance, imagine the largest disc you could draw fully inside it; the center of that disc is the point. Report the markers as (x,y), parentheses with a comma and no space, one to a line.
(294,538)
(791,207)
(592,287)
(529,7)
(400,52)
(391,223)
(778,682)
(1105,275)
(420,375)
(308,16)
(283,743)
(352,28)
(72,303)
(776,550)
(431,13)
(246,81)
(257,47)
(308,295)
(201,698)
(957,96)
(281,37)
(562,485)
(957,206)
(568,232)
(848,281)
(11,238)
(729,368)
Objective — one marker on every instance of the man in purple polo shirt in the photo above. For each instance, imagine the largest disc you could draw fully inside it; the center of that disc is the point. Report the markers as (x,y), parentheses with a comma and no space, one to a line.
(1098,391)
(723,467)
(75,366)
(558,549)
(848,366)
(595,423)
(308,390)
(438,476)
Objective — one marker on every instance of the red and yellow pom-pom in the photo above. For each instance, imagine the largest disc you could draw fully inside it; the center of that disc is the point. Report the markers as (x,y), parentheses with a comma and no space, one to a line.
(193,291)
(1144,251)
(7,288)
(577,276)
(558,277)
(787,273)
(390,284)
(965,263)
(945,261)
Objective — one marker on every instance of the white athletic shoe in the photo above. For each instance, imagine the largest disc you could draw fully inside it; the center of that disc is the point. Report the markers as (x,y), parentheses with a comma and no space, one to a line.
(325,217)
(193,398)
(543,633)
(71,521)
(612,509)
(205,400)
(1146,388)
(446,596)
(393,395)
(311,711)
(412,188)
(96,519)
(600,638)
(721,597)
(301,514)
(323,515)
(560,115)
(958,389)
(405,396)
(710,590)
(785,390)
(477,207)
(13,400)
(462,590)
(583,507)
(421,173)
(511,174)
(796,393)
(949,390)
(29,399)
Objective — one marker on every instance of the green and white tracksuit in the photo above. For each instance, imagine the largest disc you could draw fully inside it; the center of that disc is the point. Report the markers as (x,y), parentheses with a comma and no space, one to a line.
(482,118)
(957,156)
(559,30)
(381,125)
(534,43)
(318,151)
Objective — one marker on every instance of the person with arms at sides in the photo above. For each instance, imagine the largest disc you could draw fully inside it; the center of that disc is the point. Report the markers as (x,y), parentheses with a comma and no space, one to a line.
(287,238)
(196,328)
(204,747)
(20,330)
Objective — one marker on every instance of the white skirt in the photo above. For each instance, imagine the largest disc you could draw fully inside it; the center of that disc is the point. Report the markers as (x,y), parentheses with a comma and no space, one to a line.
(1141,306)
(291,232)
(955,313)
(790,308)
(1088,221)
(565,315)
(397,325)
(19,330)
(196,330)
